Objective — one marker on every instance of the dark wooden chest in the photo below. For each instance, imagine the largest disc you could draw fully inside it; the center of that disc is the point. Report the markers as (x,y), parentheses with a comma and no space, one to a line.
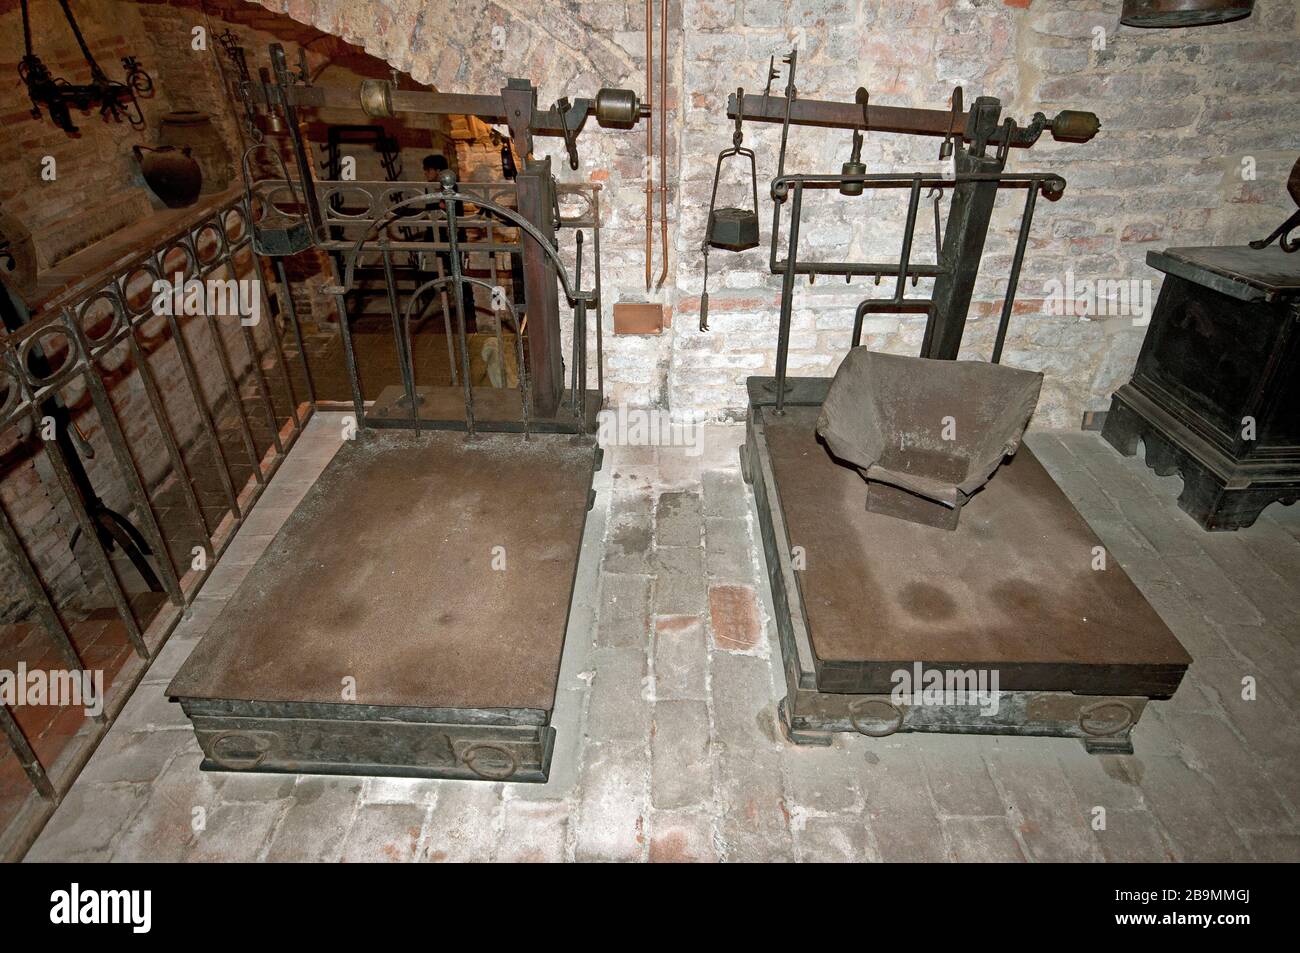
(1215,395)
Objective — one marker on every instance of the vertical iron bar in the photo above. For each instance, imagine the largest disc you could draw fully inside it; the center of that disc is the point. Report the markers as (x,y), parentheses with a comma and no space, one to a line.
(305,171)
(401,333)
(263,386)
(59,464)
(787,296)
(37,594)
(254,355)
(858,316)
(497,291)
(232,388)
(525,400)
(448,333)
(1014,278)
(277,351)
(25,755)
(909,230)
(580,338)
(600,301)
(349,355)
(454,255)
(291,313)
(130,475)
(580,362)
(205,413)
(174,454)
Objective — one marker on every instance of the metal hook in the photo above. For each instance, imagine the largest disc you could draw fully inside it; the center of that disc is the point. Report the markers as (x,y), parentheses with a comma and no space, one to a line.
(738,136)
(772,73)
(1004,147)
(936,194)
(855,165)
(945,150)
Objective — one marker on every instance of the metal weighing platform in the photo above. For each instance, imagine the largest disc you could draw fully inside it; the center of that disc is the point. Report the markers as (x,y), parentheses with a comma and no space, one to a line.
(409,618)
(888,625)
(430,573)
(1078,652)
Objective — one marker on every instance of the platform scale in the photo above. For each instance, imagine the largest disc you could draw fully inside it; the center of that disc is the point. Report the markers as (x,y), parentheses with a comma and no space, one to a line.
(409,617)
(861,597)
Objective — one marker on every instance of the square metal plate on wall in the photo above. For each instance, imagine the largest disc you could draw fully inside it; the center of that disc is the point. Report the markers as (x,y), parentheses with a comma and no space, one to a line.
(638,318)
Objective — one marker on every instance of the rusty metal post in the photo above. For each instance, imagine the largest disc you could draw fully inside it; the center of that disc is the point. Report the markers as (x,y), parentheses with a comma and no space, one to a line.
(536,199)
(963,244)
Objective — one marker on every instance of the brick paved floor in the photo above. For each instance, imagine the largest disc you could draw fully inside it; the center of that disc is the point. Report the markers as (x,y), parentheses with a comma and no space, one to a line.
(667,743)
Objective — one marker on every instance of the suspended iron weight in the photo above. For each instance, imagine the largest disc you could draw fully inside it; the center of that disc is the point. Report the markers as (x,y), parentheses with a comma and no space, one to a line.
(728,228)
(855,165)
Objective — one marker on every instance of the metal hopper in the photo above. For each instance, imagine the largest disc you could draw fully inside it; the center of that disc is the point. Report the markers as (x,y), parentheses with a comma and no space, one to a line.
(925,434)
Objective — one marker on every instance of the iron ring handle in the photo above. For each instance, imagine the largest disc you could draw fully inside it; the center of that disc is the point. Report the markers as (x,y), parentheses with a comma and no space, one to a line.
(1101,706)
(237,764)
(855,709)
(468,757)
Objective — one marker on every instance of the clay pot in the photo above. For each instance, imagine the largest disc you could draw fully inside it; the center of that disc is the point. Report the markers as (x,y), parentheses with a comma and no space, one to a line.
(172,174)
(192,128)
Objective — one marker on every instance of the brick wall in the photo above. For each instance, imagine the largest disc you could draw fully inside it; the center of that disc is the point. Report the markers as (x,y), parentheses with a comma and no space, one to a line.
(97,192)
(1181,110)
(98,187)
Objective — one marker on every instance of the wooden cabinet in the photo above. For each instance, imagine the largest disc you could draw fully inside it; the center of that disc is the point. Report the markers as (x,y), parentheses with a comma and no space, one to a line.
(1215,395)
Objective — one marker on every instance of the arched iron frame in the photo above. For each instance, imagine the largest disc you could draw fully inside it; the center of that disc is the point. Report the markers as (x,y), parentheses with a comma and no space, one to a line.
(449,199)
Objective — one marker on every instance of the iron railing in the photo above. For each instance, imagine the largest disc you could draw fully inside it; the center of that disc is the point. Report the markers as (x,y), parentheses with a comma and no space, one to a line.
(208,390)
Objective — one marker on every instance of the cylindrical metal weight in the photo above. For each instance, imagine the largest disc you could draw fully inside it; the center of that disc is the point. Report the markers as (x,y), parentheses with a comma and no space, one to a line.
(1072,125)
(852,168)
(617,107)
(377,98)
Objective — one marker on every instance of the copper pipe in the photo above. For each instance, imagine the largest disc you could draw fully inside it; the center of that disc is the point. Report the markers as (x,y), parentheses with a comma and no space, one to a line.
(649,141)
(663,139)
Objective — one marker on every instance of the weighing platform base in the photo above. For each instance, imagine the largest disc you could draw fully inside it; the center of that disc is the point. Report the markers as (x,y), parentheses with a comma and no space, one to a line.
(1011,593)
(409,617)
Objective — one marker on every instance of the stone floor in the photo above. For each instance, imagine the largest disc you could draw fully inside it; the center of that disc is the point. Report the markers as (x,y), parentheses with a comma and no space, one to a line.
(667,744)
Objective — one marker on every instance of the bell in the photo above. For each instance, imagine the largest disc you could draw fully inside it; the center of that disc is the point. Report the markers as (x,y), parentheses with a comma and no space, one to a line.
(733,229)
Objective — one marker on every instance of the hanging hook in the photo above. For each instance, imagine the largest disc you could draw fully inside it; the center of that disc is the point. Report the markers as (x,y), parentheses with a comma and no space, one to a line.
(945,150)
(855,165)
(1008,130)
(738,135)
(936,194)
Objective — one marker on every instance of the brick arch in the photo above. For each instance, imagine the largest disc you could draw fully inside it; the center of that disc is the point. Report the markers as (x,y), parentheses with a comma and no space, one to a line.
(475,45)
